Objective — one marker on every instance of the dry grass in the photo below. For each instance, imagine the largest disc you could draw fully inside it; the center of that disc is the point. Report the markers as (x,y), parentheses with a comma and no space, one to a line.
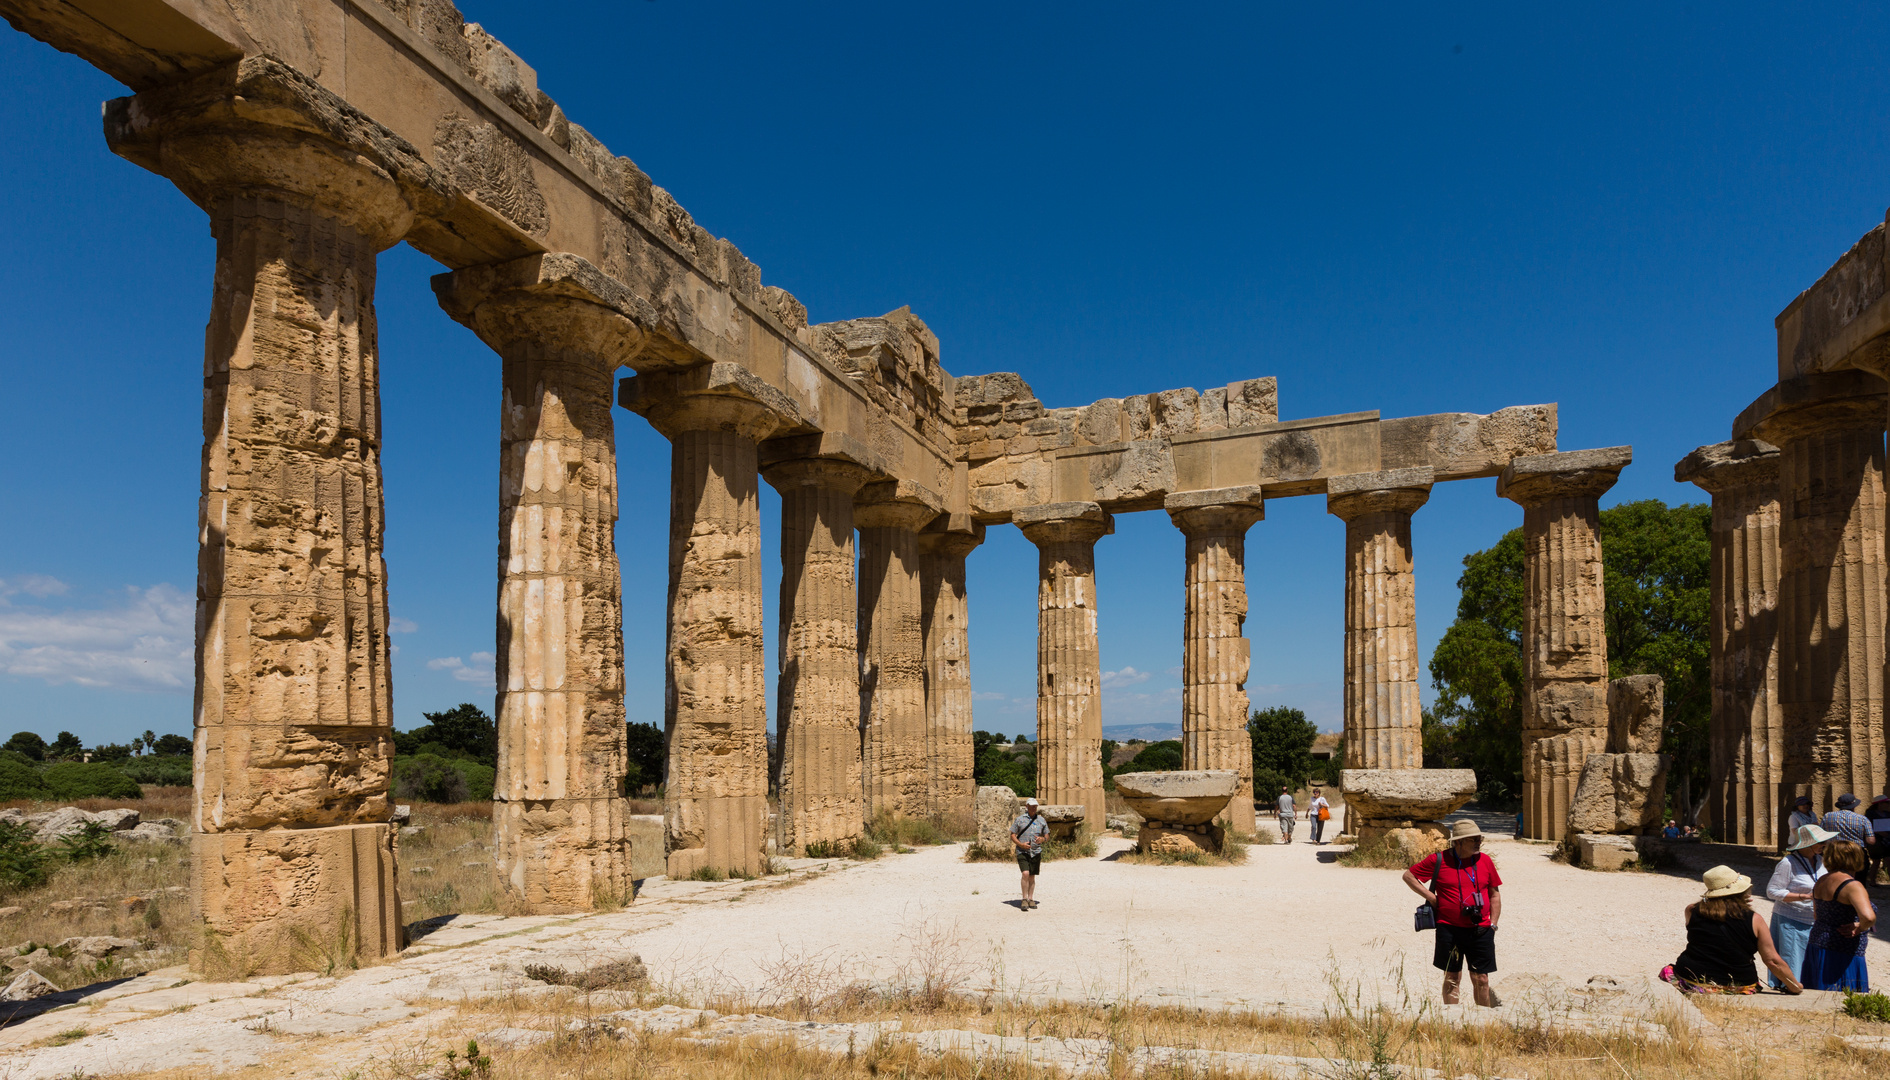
(446,867)
(140,870)
(1377,853)
(158,802)
(1083,847)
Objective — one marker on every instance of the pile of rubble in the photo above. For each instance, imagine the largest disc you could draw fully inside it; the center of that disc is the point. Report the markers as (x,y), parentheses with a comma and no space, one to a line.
(86,953)
(54,825)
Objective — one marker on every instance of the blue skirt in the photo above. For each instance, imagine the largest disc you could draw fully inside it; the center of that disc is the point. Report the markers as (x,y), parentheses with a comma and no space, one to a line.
(1826,969)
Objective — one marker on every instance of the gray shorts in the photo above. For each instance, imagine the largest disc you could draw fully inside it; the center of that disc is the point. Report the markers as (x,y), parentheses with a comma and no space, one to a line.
(1029,862)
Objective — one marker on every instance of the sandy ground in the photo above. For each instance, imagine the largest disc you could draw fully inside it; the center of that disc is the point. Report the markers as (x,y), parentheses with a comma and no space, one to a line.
(1275,929)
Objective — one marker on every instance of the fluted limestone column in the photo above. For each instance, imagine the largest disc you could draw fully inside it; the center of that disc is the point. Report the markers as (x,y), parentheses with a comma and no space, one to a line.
(291,847)
(892,646)
(950,788)
(1829,430)
(817,702)
(1565,638)
(1384,718)
(716,797)
(1215,657)
(1746,741)
(561,329)
(1069,663)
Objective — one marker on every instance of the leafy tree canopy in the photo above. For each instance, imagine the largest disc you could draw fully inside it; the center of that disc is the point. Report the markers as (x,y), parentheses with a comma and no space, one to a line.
(464,731)
(1282,749)
(648,762)
(66,747)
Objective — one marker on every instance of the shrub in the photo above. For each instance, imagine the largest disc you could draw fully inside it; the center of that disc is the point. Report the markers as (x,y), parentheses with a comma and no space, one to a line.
(21,781)
(158,771)
(1164,756)
(80,780)
(24,864)
(1871,1006)
(1380,852)
(89,841)
(429,778)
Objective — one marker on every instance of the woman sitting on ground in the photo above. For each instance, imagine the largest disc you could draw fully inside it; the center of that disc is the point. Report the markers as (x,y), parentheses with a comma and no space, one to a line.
(1842,920)
(1722,934)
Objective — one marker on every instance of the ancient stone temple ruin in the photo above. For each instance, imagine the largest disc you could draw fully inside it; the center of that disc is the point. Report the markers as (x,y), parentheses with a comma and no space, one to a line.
(1798,574)
(314,135)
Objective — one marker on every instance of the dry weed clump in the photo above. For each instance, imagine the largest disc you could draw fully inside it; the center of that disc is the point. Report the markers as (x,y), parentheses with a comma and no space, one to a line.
(1083,847)
(1378,853)
(135,891)
(1233,853)
(446,867)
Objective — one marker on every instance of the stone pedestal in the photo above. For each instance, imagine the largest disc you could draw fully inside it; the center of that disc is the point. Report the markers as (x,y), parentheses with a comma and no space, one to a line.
(892,647)
(291,848)
(1164,838)
(716,804)
(1748,735)
(1565,641)
(1383,713)
(561,329)
(945,614)
(1829,430)
(1069,671)
(1179,808)
(817,702)
(1215,658)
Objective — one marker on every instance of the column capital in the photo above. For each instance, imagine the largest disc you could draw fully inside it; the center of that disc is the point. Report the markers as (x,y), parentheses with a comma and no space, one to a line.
(896,504)
(259,129)
(1396,490)
(1727,466)
(831,474)
(1216,510)
(1813,405)
(1535,479)
(1052,523)
(957,545)
(710,397)
(553,298)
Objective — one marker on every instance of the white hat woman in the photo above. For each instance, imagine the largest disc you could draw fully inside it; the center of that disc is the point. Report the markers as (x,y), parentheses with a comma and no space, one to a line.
(1722,934)
(1790,892)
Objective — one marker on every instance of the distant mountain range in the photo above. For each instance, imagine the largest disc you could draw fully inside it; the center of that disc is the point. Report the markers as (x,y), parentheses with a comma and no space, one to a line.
(1144,732)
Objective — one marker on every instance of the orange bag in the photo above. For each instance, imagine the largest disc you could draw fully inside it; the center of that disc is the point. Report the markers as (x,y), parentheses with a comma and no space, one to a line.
(1325,813)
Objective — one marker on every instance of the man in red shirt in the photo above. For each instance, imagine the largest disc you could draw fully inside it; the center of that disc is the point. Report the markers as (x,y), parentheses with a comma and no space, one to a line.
(1463,889)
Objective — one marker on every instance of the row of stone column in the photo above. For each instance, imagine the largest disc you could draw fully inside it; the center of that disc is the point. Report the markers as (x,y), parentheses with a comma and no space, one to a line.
(1798,583)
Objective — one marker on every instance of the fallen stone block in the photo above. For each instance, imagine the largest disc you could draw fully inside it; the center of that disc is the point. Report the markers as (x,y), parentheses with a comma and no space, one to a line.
(1619,793)
(117,820)
(1180,797)
(1406,794)
(1636,712)
(1602,851)
(1416,838)
(997,806)
(1063,820)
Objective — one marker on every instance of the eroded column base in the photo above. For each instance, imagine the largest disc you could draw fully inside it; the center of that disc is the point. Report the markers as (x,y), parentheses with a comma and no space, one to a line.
(283,900)
(560,855)
(718,833)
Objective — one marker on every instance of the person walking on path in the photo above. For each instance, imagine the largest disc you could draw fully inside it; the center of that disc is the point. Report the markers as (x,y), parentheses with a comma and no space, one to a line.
(1848,823)
(1879,850)
(1318,812)
(1834,957)
(1288,815)
(1027,833)
(1790,892)
(1722,934)
(1801,815)
(1463,890)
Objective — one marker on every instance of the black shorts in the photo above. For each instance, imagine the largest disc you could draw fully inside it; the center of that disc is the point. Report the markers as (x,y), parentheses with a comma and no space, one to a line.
(1456,944)
(1027,862)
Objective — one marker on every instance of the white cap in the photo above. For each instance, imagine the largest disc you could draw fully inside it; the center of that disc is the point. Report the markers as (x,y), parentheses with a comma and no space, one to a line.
(1030,802)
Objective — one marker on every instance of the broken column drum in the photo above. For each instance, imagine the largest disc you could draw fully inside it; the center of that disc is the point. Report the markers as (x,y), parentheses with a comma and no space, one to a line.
(948,720)
(1384,717)
(1069,668)
(291,840)
(892,648)
(817,705)
(561,328)
(716,796)
(1565,642)
(1829,430)
(1747,734)
(1215,657)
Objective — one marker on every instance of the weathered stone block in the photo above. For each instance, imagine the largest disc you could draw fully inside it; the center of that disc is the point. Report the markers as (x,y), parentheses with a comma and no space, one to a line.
(1416,838)
(1619,793)
(1602,852)
(1181,797)
(1165,838)
(997,807)
(259,777)
(1635,714)
(560,855)
(285,900)
(1064,820)
(1406,794)
(1253,401)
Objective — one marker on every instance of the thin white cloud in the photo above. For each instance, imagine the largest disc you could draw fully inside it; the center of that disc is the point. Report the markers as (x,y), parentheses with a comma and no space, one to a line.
(398,625)
(145,641)
(989,695)
(479,670)
(1127,676)
(1173,672)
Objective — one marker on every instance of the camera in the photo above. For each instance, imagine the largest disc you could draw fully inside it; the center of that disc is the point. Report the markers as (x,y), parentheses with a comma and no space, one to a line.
(1474,912)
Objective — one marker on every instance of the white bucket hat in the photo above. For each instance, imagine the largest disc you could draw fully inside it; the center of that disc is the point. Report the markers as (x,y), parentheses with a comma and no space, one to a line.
(1808,835)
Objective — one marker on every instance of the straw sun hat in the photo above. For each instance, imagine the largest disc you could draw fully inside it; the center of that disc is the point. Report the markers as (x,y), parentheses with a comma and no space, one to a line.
(1464,830)
(1724,881)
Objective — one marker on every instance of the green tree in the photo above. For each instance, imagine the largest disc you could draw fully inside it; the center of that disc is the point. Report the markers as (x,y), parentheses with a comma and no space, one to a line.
(1164,756)
(1655,569)
(649,756)
(65,747)
(27,743)
(173,746)
(1282,740)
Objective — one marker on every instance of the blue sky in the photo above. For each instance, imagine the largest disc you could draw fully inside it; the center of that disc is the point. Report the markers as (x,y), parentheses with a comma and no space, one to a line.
(1415,210)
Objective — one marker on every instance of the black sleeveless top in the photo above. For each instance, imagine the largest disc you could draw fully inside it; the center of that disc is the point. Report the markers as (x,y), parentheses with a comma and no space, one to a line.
(1719,953)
